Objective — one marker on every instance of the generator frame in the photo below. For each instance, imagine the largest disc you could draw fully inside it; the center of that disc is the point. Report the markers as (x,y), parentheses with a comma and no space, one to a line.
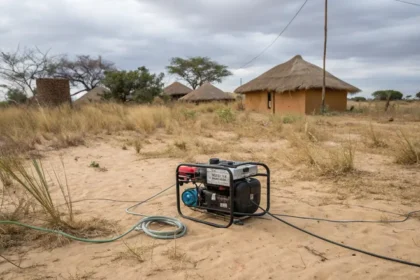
(231,214)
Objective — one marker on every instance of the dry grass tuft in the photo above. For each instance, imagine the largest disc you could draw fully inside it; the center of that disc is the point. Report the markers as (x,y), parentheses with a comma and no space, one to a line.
(137,253)
(181,145)
(35,183)
(406,151)
(374,138)
(137,145)
(31,198)
(328,161)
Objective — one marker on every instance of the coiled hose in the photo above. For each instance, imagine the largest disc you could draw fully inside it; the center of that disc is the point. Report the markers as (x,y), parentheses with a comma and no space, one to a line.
(142,225)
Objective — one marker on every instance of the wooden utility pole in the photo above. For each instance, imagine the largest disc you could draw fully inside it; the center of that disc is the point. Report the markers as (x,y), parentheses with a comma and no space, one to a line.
(325,55)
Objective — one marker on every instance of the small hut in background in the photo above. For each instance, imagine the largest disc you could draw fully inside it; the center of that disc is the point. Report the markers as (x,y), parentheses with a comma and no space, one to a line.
(53,91)
(295,87)
(176,90)
(206,93)
(94,95)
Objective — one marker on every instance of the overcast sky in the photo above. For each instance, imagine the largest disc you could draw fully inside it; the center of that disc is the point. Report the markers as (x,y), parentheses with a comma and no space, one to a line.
(372,44)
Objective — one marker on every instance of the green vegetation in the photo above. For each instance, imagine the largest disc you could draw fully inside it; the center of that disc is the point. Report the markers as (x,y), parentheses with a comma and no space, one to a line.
(385,94)
(198,70)
(138,85)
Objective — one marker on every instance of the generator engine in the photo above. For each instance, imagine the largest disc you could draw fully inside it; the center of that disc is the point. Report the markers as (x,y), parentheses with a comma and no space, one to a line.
(213,187)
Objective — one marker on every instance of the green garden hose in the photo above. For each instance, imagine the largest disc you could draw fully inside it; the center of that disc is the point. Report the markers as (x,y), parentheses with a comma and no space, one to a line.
(142,225)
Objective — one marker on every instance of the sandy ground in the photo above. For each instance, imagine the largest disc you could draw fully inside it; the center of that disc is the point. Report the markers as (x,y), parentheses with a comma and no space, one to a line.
(260,249)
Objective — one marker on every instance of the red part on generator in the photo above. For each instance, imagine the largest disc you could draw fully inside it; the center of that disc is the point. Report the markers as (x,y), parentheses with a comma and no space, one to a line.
(187,173)
(187,169)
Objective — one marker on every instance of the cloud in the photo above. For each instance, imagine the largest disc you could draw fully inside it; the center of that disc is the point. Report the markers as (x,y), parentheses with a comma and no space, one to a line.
(371,44)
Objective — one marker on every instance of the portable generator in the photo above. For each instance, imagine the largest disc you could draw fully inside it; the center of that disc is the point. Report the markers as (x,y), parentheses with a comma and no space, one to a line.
(224,188)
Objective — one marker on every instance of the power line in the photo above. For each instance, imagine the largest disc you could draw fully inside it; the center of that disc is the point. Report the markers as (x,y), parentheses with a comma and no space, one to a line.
(411,3)
(278,36)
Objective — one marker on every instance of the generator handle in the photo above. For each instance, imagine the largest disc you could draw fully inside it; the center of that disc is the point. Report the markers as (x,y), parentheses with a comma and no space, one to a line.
(231,194)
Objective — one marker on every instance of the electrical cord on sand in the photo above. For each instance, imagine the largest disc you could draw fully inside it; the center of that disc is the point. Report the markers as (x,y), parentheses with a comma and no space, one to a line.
(340,244)
(407,216)
(142,225)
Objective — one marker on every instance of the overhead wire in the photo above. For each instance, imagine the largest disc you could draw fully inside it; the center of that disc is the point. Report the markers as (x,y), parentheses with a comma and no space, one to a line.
(278,36)
(410,3)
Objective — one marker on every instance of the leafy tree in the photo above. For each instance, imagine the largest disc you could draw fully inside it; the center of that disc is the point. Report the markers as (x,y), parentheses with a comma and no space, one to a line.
(138,85)
(198,70)
(15,95)
(418,95)
(384,94)
(84,71)
(359,98)
(408,97)
(21,68)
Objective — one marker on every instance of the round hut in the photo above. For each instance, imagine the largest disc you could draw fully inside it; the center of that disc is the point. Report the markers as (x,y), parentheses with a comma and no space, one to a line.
(176,90)
(207,93)
(93,95)
(295,87)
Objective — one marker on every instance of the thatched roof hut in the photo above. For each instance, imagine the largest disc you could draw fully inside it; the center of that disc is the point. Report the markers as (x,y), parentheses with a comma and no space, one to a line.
(207,92)
(295,86)
(94,95)
(176,90)
(295,74)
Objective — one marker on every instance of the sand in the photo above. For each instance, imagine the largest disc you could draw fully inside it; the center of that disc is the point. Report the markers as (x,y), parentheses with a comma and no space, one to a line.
(260,249)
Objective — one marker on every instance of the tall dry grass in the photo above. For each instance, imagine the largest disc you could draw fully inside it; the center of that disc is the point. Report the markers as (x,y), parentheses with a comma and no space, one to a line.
(327,160)
(407,150)
(35,183)
(22,129)
(31,125)
(25,129)
(37,194)
(375,138)
(408,110)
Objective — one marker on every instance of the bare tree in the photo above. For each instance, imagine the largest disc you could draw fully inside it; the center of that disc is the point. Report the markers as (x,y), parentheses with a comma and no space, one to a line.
(21,68)
(84,71)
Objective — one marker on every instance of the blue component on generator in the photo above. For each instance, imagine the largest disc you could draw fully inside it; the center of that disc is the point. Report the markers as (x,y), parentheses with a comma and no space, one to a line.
(190,197)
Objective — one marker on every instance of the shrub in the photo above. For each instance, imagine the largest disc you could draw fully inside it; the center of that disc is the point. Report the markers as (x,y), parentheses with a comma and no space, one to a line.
(94,164)
(182,145)
(226,115)
(291,118)
(189,114)
(359,98)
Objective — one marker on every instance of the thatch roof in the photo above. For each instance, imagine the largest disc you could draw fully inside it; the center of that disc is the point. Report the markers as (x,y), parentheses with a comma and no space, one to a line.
(295,74)
(207,92)
(94,95)
(176,88)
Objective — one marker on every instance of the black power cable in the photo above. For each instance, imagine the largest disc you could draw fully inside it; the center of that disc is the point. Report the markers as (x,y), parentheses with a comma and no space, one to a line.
(342,245)
(276,216)
(407,216)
